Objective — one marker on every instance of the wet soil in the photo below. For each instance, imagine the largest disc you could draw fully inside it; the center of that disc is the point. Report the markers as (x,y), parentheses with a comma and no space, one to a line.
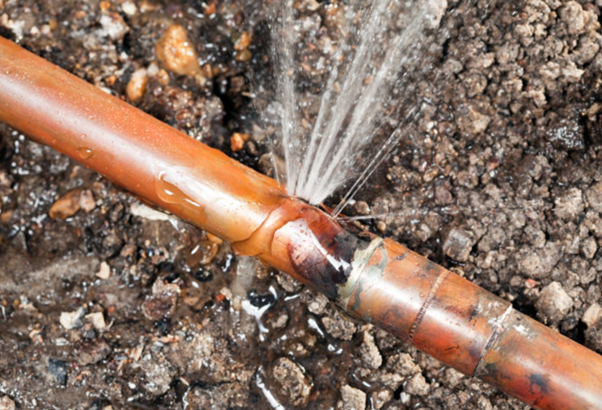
(105,303)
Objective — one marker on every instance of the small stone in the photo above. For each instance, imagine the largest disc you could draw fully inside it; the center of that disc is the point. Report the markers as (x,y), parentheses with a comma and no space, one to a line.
(129,8)
(370,354)
(292,381)
(66,206)
(176,53)
(92,352)
(6,403)
(589,247)
(58,371)
(402,364)
(381,397)
(237,142)
(553,303)
(243,42)
(97,320)
(362,208)
(86,201)
(104,272)
(417,385)
(137,85)
(351,399)
(458,244)
(594,197)
(113,26)
(162,303)
(573,16)
(72,320)
(317,304)
(593,337)
(338,327)
(592,315)
(158,374)
(570,205)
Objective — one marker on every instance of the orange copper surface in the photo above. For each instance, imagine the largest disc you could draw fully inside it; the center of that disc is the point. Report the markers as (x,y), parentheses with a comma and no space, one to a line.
(381,282)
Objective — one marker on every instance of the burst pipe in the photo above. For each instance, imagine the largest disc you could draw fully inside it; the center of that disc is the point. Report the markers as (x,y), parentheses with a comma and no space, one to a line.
(376,280)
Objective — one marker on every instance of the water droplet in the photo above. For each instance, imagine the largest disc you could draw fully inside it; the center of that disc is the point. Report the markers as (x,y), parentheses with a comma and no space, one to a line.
(84,152)
(171,194)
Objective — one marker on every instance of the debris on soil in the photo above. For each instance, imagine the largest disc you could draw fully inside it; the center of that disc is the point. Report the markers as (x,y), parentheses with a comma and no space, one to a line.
(291,382)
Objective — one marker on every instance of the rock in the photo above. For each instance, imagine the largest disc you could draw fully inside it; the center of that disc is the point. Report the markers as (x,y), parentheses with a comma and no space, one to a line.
(553,303)
(72,320)
(570,205)
(573,16)
(237,141)
(381,397)
(292,381)
(104,272)
(567,133)
(593,337)
(417,385)
(113,26)
(317,304)
(137,85)
(86,201)
(338,327)
(6,403)
(594,197)
(538,263)
(592,315)
(58,371)
(243,42)
(66,206)
(176,52)
(589,247)
(402,364)
(158,374)
(197,399)
(92,352)
(472,122)
(370,354)
(458,244)
(351,399)
(97,320)
(162,303)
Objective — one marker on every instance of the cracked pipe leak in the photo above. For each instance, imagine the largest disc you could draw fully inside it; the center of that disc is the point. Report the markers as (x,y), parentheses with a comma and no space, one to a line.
(376,280)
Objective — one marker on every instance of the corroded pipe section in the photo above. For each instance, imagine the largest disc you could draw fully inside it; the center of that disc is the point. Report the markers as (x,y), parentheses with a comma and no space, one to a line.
(376,280)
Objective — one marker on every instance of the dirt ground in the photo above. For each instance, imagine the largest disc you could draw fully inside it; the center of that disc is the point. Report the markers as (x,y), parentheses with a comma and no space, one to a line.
(105,303)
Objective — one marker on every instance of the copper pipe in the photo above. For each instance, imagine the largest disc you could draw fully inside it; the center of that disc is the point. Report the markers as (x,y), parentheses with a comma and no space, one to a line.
(379,281)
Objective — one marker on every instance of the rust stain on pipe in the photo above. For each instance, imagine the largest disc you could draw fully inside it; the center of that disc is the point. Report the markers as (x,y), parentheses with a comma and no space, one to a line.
(376,280)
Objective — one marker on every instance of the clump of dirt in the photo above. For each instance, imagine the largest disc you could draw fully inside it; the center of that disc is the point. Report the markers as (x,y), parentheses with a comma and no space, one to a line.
(106,303)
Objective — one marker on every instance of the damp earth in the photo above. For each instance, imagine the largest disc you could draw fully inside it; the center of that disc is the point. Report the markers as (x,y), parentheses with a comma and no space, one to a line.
(106,303)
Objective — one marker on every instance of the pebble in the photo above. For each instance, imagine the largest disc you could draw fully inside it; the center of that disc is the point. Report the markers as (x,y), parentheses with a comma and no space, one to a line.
(243,42)
(381,397)
(176,53)
(417,385)
(93,352)
(104,272)
(369,351)
(351,399)
(237,142)
(97,320)
(594,197)
(113,26)
(570,205)
(6,403)
(458,244)
(137,85)
(293,383)
(162,303)
(573,16)
(58,371)
(592,315)
(553,303)
(66,206)
(338,327)
(72,320)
